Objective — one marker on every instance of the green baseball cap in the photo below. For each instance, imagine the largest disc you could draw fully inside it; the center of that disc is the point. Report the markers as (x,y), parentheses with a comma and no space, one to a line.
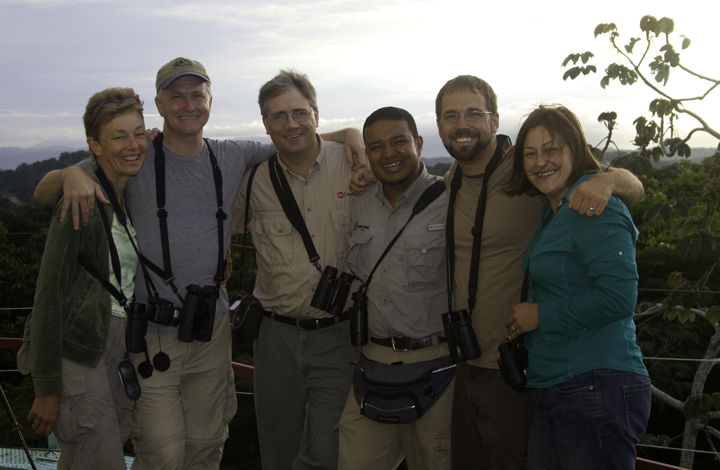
(177,68)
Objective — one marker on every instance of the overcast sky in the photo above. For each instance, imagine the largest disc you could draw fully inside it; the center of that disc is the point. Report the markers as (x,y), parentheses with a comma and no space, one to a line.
(360,55)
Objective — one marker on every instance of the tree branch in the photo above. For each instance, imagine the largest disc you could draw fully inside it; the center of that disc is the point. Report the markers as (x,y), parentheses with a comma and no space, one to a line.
(706,128)
(667,399)
(698,75)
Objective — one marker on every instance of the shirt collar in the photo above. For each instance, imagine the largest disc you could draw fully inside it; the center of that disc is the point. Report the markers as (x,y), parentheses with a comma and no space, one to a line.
(582,179)
(412,193)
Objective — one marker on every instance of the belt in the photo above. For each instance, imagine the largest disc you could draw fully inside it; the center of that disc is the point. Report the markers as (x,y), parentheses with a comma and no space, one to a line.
(403,343)
(307,323)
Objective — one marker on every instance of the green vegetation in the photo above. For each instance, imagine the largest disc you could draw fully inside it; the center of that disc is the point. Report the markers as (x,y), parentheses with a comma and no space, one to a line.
(17,186)
(679,244)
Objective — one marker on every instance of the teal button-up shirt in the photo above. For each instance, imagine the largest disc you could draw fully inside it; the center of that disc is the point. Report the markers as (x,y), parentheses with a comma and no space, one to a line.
(583,275)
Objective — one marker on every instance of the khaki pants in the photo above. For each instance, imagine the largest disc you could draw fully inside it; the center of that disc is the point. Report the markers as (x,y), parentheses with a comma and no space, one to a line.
(94,415)
(424,443)
(181,418)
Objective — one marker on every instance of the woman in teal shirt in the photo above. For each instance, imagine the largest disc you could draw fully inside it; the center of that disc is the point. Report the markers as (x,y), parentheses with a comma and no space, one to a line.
(591,389)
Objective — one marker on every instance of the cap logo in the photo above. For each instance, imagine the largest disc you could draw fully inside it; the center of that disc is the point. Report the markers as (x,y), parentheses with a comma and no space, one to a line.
(181,63)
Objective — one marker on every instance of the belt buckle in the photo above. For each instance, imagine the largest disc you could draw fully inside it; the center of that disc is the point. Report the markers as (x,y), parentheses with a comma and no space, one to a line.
(392,341)
(297,324)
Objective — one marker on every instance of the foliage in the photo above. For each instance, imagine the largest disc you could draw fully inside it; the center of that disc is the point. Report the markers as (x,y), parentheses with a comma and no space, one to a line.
(19,184)
(657,135)
(679,243)
(439,169)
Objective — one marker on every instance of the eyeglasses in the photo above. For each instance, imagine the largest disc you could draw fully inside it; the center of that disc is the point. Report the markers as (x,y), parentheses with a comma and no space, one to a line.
(281,118)
(455,117)
(115,104)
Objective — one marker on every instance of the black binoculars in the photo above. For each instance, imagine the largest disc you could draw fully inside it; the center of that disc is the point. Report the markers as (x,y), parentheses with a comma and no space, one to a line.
(460,335)
(332,291)
(198,314)
(513,362)
(359,319)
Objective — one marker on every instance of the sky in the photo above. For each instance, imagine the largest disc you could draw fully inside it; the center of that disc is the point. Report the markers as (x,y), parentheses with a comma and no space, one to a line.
(360,56)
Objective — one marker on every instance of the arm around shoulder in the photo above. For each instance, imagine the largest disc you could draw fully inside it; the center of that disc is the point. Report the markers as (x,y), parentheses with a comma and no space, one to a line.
(626,186)
(354,145)
(79,190)
(592,196)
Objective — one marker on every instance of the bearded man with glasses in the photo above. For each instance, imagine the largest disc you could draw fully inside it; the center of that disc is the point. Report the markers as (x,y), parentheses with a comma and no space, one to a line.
(490,422)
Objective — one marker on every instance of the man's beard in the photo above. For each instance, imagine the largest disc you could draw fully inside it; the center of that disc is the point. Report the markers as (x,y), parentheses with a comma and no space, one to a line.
(470,153)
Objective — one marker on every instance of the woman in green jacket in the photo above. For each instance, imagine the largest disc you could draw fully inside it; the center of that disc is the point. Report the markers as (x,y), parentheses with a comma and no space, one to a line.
(76,331)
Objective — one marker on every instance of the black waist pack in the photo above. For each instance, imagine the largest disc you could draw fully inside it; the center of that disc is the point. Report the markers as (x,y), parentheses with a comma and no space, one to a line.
(246,315)
(401,393)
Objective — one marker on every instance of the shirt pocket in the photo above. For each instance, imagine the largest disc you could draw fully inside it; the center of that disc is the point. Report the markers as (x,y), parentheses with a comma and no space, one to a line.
(273,238)
(359,257)
(341,222)
(425,261)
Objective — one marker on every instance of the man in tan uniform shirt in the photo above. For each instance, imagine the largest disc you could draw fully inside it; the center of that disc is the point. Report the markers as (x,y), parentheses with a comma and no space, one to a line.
(302,354)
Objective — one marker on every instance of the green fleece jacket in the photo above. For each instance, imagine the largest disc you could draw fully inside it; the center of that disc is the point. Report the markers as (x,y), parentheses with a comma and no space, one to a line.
(71,313)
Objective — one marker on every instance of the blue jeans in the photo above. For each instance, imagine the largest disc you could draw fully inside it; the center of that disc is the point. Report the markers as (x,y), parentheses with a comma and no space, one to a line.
(591,421)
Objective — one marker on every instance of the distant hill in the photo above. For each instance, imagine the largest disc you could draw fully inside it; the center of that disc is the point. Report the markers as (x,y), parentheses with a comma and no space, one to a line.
(11,157)
(696,155)
(17,186)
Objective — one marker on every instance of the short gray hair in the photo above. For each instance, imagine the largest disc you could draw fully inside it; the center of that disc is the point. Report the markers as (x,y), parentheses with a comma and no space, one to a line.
(287,80)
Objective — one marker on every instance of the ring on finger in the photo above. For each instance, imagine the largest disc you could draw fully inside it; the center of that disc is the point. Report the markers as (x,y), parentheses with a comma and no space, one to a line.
(591,209)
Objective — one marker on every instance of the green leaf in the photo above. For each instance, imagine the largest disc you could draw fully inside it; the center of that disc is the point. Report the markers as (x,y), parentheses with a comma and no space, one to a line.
(688,301)
(653,210)
(572,57)
(693,407)
(599,29)
(586,56)
(682,208)
(705,300)
(715,398)
(664,26)
(684,247)
(629,47)
(588,69)
(572,73)
(605,81)
(647,24)
(713,314)
(660,75)
(603,28)
(706,403)
(685,43)
(690,226)
(674,279)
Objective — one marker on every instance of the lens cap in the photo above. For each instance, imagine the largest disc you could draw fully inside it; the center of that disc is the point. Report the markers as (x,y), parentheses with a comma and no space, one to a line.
(161,361)
(145,369)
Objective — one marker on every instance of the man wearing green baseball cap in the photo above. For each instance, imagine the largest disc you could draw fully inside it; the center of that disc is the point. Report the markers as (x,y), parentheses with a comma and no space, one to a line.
(187,185)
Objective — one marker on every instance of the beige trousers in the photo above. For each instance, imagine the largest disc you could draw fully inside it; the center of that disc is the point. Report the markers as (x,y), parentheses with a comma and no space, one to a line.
(94,416)
(424,443)
(181,419)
